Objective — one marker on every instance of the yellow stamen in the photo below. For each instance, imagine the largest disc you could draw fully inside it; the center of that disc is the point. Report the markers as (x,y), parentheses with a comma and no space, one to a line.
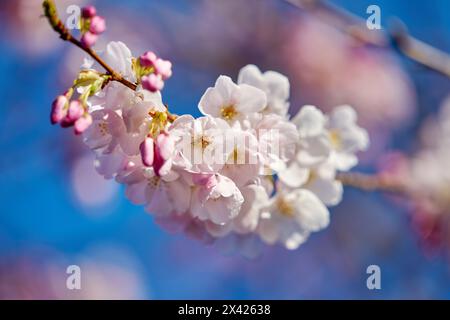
(158,123)
(202,142)
(284,207)
(154,181)
(235,155)
(103,127)
(228,112)
(335,138)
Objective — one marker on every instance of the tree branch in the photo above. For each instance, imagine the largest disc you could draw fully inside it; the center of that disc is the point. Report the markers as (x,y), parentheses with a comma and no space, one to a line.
(57,25)
(374,182)
(414,49)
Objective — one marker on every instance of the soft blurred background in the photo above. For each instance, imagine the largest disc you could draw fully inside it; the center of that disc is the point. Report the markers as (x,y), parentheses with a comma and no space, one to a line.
(56,211)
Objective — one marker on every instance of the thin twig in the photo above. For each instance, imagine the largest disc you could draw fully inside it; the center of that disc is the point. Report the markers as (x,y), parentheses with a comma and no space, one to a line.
(374,182)
(414,49)
(57,25)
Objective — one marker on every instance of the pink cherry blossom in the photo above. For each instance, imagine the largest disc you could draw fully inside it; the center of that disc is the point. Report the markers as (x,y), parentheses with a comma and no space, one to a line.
(152,82)
(88,39)
(218,200)
(105,132)
(83,123)
(97,25)
(147,151)
(164,148)
(232,102)
(59,109)
(163,68)
(148,59)
(88,12)
(75,111)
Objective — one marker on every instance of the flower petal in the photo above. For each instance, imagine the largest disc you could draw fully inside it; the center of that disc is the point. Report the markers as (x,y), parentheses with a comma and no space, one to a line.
(310,121)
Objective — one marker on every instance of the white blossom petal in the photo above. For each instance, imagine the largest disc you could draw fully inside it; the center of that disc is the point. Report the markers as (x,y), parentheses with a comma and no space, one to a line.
(310,121)
(294,175)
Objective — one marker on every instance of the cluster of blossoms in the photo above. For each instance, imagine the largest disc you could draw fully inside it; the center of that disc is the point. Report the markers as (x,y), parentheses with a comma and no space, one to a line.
(243,168)
(148,70)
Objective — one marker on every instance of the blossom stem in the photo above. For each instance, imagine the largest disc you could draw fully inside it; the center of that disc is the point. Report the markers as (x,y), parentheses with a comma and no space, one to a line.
(57,25)
(375,182)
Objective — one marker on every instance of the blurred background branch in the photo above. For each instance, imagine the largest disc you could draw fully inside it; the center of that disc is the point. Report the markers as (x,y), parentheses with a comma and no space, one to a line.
(375,182)
(396,35)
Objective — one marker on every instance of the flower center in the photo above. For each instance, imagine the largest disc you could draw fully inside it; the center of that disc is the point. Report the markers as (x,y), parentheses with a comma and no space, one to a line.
(202,142)
(103,127)
(228,112)
(285,207)
(205,141)
(158,123)
(154,181)
(335,138)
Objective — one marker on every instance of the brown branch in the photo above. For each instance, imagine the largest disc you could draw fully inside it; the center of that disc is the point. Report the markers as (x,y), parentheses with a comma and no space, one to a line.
(374,182)
(414,49)
(57,25)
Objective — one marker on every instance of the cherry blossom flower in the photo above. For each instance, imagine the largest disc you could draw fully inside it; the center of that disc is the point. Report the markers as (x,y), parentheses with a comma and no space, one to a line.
(162,194)
(314,146)
(216,198)
(277,138)
(244,162)
(291,217)
(255,198)
(232,102)
(346,137)
(274,84)
(326,144)
(202,144)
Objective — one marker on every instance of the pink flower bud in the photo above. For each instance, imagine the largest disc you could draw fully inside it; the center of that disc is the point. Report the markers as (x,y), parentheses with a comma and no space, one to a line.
(147,152)
(88,39)
(163,152)
(148,59)
(88,12)
(83,123)
(59,109)
(164,68)
(165,145)
(97,25)
(75,111)
(152,82)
